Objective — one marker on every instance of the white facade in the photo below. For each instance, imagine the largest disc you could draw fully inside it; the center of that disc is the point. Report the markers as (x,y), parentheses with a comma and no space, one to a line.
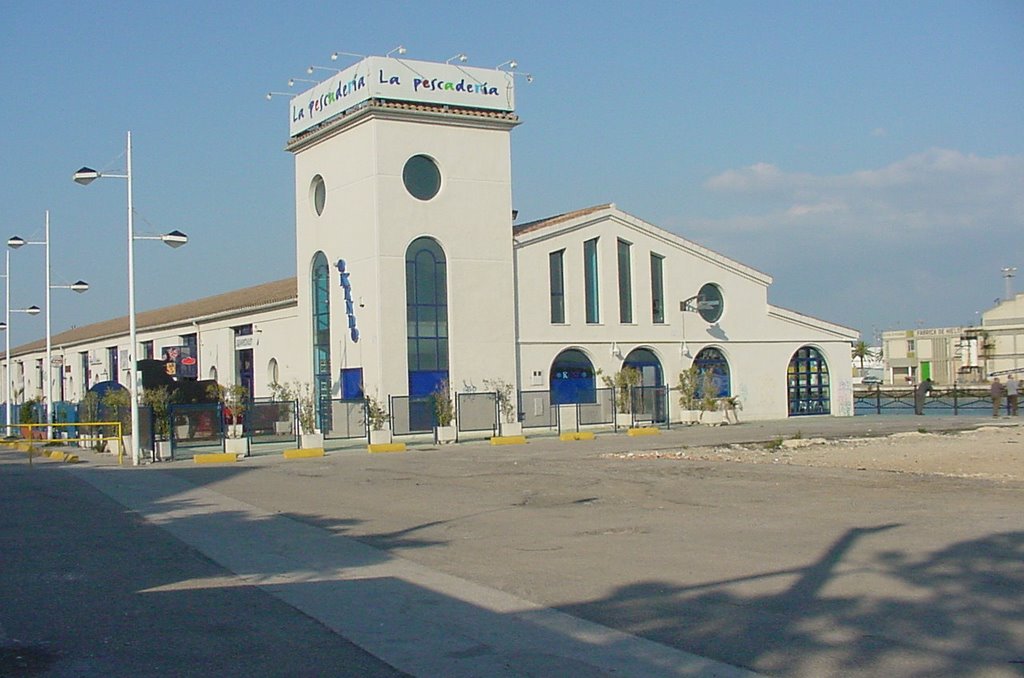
(758,340)
(382,183)
(369,219)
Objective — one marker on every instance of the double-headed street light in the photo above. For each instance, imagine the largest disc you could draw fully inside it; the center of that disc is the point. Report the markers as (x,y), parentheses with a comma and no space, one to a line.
(85,176)
(78,286)
(5,326)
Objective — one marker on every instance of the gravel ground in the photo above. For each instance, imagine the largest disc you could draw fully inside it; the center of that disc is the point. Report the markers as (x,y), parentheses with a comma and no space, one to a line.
(991,452)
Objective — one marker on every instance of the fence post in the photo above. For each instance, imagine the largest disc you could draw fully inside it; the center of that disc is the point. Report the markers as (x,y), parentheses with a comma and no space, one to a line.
(956,402)
(668,408)
(878,398)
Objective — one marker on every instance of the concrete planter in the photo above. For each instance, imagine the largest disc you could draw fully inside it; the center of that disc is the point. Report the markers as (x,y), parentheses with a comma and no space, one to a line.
(444,434)
(237,446)
(311,441)
(163,450)
(381,437)
(514,428)
(623,419)
(689,417)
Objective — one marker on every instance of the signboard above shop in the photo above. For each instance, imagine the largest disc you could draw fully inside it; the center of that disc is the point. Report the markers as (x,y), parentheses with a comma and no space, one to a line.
(402,80)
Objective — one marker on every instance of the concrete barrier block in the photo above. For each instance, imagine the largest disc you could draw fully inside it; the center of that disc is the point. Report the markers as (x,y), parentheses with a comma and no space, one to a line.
(304,453)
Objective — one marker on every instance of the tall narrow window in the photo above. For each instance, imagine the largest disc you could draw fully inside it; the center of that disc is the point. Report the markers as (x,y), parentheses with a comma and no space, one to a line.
(590,286)
(320,277)
(555,269)
(657,288)
(625,282)
(426,298)
(113,374)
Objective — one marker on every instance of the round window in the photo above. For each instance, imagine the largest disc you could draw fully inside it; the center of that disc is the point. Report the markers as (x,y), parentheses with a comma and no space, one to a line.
(710,303)
(421,177)
(318,194)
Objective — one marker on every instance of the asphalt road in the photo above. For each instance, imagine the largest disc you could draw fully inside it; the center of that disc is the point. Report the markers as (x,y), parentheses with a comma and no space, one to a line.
(546,559)
(81,584)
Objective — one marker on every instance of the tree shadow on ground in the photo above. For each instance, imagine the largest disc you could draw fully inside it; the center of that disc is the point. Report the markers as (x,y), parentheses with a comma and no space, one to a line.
(956,611)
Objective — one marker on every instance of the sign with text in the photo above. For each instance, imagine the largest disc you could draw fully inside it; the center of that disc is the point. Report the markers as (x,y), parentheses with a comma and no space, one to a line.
(402,80)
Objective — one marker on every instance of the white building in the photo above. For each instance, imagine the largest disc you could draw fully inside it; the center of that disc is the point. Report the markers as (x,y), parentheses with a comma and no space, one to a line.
(410,273)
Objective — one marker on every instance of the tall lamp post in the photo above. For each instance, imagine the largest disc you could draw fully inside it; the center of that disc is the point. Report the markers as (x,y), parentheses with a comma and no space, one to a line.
(85,176)
(6,327)
(79,286)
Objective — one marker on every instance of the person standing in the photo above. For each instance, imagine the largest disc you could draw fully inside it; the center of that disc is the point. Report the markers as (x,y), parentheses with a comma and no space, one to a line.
(920,393)
(1012,387)
(997,395)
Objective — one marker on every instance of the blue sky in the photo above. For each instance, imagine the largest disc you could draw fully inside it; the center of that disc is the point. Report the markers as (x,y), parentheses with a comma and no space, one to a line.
(868,155)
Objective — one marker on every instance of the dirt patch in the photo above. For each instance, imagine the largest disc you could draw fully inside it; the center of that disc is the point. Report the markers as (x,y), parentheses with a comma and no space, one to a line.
(991,453)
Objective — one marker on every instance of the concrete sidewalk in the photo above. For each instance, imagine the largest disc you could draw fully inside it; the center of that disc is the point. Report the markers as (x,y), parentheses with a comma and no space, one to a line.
(416,619)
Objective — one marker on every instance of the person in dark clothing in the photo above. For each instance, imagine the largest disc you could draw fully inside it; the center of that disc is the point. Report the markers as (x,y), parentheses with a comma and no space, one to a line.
(920,393)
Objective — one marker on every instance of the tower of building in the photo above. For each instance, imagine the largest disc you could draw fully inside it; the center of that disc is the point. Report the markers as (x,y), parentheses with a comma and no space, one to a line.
(403,229)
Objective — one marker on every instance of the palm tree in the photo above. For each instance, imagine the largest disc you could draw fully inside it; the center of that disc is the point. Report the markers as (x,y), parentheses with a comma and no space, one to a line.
(861,350)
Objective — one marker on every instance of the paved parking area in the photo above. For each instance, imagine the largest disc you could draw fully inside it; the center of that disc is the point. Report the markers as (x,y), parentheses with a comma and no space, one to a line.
(652,565)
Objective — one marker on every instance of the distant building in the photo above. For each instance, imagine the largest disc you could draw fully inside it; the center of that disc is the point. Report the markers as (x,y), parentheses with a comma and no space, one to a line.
(943,354)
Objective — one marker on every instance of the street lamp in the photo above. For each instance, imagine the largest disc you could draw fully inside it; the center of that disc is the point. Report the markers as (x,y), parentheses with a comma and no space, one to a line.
(5,327)
(79,287)
(175,239)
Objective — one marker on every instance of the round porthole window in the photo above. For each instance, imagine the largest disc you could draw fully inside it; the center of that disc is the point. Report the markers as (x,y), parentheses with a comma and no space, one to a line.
(421,177)
(318,194)
(710,303)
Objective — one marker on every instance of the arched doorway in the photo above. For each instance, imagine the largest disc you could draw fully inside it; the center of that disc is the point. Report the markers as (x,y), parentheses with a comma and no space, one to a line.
(649,396)
(713,368)
(808,383)
(572,378)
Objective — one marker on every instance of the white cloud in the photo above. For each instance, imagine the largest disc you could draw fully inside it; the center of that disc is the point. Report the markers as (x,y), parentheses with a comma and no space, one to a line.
(938,191)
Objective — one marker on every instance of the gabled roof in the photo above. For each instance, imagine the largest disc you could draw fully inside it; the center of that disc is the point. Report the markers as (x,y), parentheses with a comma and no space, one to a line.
(520,229)
(589,215)
(265,295)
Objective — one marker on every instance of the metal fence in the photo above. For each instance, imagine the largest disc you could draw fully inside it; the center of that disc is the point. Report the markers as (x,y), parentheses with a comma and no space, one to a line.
(953,400)
(476,411)
(412,414)
(536,410)
(650,404)
(195,425)
(348,419)
(271,421)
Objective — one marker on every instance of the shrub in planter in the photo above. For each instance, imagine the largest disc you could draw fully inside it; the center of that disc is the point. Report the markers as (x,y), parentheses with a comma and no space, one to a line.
(28,415)
(444,413)
(509,424)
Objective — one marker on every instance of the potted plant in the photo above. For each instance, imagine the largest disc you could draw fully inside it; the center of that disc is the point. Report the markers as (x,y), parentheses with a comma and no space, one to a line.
(285,399)
(116,406)
(508,423)
(28,415)
(235,400)
(88,413)
(310,438)
(729,406)
(444,412)
(159,400)
(689,403)
(378,421)
(622,384)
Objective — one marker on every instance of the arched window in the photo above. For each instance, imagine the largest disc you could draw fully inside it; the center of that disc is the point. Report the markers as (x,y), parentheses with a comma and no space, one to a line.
(649,398)
(272,371)
(808,383)
(320,277)
(572,378)
(426,298)
(713,368)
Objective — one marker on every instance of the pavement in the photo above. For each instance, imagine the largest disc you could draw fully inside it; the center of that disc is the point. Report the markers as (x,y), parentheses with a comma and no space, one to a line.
(545,559)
